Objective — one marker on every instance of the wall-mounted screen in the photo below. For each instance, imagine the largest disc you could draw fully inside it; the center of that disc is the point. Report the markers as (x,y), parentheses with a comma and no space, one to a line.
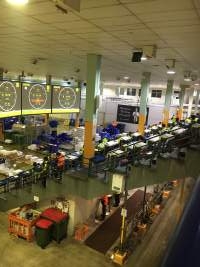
(65,99)
(10,99)
(36,98)
(129,114)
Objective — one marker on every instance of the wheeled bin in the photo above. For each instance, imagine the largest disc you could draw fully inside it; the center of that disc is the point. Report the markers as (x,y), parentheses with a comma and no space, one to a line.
(43,232)
(59,220)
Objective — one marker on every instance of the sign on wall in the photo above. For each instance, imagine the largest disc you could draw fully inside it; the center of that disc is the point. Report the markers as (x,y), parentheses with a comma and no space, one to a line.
(10,99)
(129,114)
(36,98)
(65,99)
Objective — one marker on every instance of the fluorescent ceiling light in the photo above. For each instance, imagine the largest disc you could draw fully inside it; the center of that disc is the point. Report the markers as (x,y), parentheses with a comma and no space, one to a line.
(170,71)
(195,93)
(17,2)
(196,84)
(126,77)
(187,79)
(143,58)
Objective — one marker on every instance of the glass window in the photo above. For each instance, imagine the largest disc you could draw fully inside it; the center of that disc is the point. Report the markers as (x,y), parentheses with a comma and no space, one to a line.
(131,91)
(121,91)
(156,93)
(177,94)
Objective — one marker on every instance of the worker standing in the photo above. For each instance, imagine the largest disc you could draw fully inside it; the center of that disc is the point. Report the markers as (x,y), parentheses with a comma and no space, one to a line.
(36,172)
(45,171)
(60,159)
(104,203)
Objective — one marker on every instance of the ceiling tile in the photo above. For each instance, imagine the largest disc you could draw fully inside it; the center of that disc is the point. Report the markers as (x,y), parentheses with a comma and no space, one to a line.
(116,21)
(56,17)
(39,8)
(168,16)
(97,3)
(77,27)
(174,22)
(159,6)
(170,31)
(104,12)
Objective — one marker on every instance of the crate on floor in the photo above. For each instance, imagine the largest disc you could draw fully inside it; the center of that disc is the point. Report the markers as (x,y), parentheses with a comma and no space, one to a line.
(81,232)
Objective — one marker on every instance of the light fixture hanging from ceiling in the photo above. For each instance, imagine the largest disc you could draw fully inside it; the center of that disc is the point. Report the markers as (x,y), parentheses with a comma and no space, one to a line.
(187,76)
(170,64)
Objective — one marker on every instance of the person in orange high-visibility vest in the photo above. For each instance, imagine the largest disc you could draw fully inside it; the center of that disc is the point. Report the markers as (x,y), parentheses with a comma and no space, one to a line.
(60,160)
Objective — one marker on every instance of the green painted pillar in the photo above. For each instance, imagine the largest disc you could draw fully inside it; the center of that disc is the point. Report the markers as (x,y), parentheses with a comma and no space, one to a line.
(1,73)
(145,84)
(197,101)
(78,113)
(92,96)
(181,100)
(191,97)
(168,97)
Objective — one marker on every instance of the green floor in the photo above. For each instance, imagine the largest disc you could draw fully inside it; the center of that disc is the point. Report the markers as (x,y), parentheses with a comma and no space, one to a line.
(20,253)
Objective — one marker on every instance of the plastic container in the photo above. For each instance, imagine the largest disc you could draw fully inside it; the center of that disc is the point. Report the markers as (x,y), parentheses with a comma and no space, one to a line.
(43,232)
(59,220)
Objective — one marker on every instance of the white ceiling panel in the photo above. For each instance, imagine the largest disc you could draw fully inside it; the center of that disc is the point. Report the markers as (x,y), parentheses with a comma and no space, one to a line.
(175,22)
(104,12)
(171,31)
(160,6)
(116,21)
(73,25)
(167,16)
(111,28)
(39,8)
(97,3)
(56,17)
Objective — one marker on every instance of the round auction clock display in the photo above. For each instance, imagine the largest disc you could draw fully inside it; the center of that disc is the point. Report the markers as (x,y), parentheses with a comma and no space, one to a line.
(67,97)
(8,96)
(37,96)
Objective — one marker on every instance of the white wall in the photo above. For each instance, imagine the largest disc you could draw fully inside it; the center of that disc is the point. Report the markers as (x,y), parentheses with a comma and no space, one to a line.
(80,210)
(111,98)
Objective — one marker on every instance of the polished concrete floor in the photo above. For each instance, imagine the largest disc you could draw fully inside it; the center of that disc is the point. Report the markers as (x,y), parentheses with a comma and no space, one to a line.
(20,253)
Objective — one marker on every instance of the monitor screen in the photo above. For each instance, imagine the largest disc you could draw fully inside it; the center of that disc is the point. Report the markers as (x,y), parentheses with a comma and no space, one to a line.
(10,98)
(65,99)
(36,98)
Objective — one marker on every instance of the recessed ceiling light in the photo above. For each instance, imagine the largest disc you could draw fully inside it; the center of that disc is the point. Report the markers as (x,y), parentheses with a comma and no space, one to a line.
(170,71)
(196,84)
(126,77)
(143,58)
(187,79)
(17,2)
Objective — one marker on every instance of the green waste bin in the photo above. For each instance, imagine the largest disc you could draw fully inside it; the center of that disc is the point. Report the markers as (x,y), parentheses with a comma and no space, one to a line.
(43,232)
(59,220)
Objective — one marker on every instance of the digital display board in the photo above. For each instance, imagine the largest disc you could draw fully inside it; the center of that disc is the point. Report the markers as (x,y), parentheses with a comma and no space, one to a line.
(10,99)
(65,99)
(129,114)
(36,98)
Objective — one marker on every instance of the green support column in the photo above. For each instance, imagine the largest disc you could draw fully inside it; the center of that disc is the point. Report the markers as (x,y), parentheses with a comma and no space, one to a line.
(181,101)
(78,113)
(197,101)
(92,94)
(1,73)
(168,97)
(191,97)
(48,82)
(145,84)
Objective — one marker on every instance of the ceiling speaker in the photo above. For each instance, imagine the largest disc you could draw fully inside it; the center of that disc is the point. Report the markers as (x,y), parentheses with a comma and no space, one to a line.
(136,57)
